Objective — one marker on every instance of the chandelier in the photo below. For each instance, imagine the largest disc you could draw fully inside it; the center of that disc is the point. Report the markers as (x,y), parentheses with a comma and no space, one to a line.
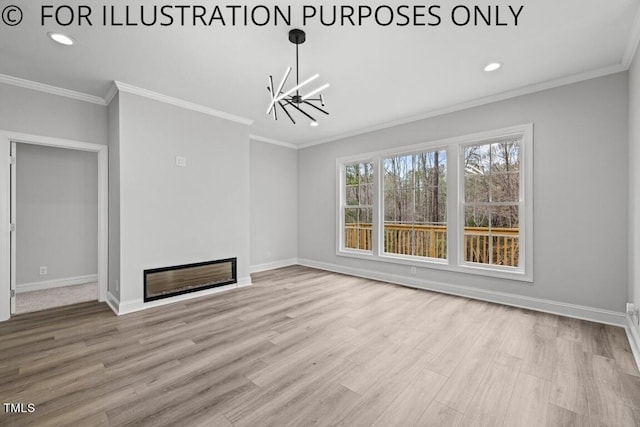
(292,97)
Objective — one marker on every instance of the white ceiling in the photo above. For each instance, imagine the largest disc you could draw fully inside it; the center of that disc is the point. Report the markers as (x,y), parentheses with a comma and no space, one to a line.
(378,75)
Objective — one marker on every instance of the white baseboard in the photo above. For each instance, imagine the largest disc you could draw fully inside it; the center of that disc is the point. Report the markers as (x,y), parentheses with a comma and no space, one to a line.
(563,309)
(56,283)
(244,282)
(112,302)
(272,265)
(126,307)
(633,334)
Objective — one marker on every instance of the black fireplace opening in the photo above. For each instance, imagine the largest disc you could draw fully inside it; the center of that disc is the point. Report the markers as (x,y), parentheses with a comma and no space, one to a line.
(167,282)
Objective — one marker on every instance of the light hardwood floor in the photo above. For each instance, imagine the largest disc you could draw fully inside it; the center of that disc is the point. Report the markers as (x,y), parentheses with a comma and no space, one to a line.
(307,347)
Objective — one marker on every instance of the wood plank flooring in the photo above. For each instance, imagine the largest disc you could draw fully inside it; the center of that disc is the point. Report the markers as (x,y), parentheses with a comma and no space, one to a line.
(305,347)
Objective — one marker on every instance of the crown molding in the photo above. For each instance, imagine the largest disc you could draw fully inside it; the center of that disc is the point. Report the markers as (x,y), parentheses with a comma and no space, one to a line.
(526,90)
(111,93)
(134,90)
(632,43)
(273,141)
(53,90)
(122,87)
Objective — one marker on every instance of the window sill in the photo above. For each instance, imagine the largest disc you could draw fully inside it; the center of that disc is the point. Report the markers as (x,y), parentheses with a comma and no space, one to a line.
(497,272)
(436,264)
(355,254)
(414,261)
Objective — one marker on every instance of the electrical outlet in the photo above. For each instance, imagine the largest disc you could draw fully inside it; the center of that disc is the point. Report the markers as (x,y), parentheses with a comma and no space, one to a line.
(43,271)
(413,270)
(181,161)
(268,254)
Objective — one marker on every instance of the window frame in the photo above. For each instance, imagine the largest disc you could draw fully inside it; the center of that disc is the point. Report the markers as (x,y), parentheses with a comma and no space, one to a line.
(341,167)
(454,148)
(524,271)
(409,151)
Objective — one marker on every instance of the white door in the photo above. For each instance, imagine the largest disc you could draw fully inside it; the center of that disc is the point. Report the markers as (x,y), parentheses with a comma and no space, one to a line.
(12,267)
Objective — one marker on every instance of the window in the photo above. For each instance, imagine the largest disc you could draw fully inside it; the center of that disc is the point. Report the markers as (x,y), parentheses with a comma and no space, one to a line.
(358,205)
(492,203)
(415,204)
(462,204)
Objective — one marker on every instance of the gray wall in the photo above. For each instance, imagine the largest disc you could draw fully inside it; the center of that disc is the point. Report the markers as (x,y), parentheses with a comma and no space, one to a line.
(173,215)
(114,196)
(274,203)
(57,213)
(580,191)
(634,180)
(38,113)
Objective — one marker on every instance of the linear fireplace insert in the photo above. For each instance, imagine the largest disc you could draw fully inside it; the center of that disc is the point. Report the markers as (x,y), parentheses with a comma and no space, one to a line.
(181,279)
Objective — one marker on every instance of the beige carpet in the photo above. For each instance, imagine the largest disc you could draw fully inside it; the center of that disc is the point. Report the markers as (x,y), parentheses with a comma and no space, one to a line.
(48,298)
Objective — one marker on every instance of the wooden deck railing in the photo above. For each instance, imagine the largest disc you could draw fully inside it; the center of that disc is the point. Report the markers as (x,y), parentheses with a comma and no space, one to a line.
(431,241)
(505,243)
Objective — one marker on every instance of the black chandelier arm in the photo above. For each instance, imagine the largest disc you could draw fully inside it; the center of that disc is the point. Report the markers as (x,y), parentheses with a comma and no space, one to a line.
(316,107)
(270,91)
(270,88)
(286,112)
(302,111)
(275,110)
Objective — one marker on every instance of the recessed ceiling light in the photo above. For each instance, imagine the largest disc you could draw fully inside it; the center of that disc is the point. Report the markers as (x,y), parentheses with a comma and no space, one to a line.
(314,124)
(492,66)
(61,38)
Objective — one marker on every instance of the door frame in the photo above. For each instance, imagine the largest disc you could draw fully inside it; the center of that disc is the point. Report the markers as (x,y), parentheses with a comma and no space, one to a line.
(6,138)
(13,146)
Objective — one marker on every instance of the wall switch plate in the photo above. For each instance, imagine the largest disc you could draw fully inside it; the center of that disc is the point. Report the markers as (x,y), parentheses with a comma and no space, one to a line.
(181,161)
(43,271)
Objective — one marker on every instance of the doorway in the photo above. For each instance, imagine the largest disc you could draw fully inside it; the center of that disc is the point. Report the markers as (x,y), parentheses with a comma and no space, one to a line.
(54,201)
(9,270)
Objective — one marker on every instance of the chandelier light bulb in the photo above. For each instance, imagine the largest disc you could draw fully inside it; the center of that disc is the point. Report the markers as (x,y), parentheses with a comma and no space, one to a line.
(320,89)
(297,87)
